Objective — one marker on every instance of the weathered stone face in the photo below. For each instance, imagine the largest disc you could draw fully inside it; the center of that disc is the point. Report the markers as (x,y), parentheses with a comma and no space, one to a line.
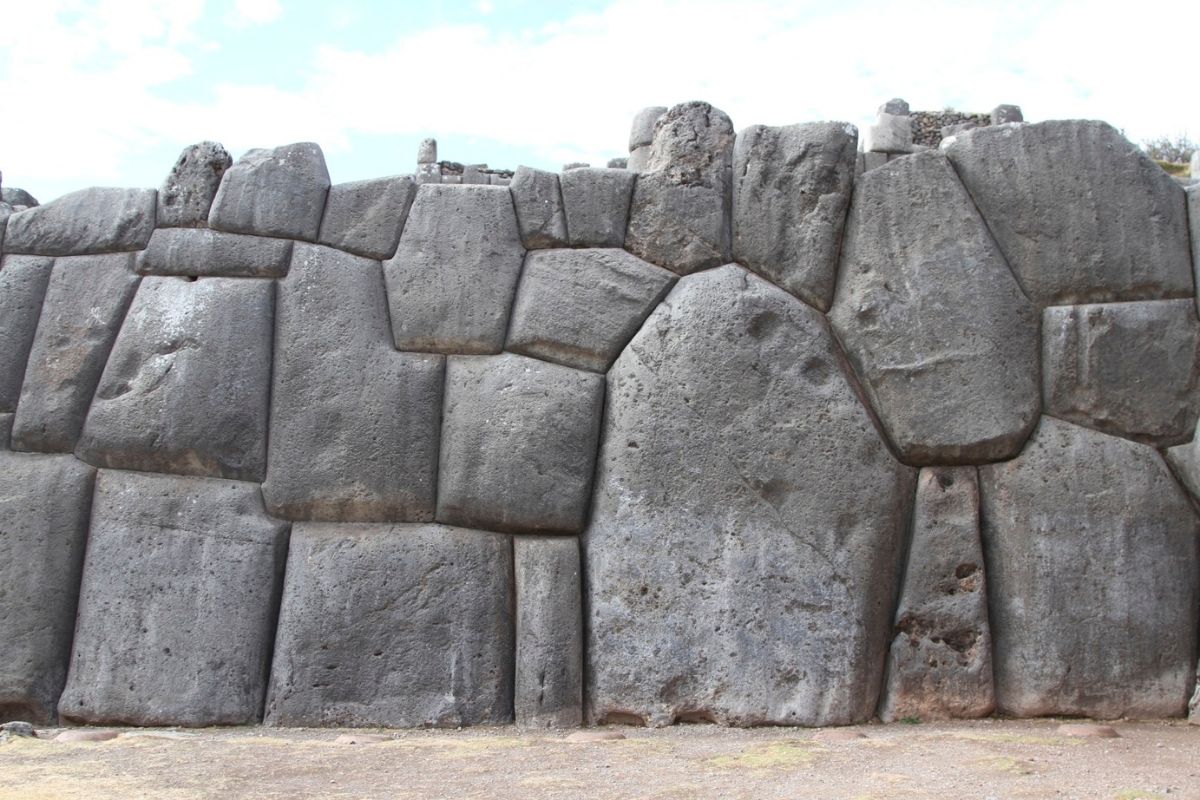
(87,221)
(279,192)
(194,252)
(23,282)
(366,217)
(548,691)
(187,194)
(537,198)
(597,205)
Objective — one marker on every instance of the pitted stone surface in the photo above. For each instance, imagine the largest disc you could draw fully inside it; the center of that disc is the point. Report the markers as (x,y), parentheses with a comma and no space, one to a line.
(43,531)
(17,197)
(548,689)
(187,386)
(85,302)
(940,662)
(1082,215)
(792,186)
(518,444)
(279,192)
(187,194)
(1092,578)
(87,221)
(193,252)
(597,205)
(23,282)
(943,338)
(537,198)
(1129,369)
(581,307)
(354,424)
(1193,213)
(366,217)
(451,283)
(748,519)
(398,626)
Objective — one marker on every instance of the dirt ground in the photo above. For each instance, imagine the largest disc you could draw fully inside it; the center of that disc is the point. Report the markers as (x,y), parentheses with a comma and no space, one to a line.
(984,759)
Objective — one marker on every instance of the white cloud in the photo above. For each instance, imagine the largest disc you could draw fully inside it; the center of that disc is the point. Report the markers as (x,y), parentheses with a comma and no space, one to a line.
(247,13)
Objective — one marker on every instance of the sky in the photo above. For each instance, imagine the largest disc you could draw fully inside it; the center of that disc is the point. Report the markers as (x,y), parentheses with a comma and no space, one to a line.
(107,92)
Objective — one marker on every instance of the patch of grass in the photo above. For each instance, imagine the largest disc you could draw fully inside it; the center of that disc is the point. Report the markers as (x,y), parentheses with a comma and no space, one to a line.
(1172,168)
(1017,738)
(910,720)
(1137,794)
(1008,764)
(785,753)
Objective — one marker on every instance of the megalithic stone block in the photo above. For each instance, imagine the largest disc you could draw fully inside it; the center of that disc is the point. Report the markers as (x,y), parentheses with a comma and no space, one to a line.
(641,132)
(279,192)
(23,282)
(187,194)
(194,252)
(366,217)
(597,205)
(891,133)
(88,221)
(537,197)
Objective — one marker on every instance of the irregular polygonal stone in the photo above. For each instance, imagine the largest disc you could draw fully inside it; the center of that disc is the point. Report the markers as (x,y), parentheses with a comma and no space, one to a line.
(23,282)
(177,605)
(43,531)
(1194,703)
(518,444)
(748,521)
(617,163)
(1082,215)
(187,385)
(354,424)
(1007,113)
(896,106)
(581,307)
(548,684)
(1193,212)
(1128,369)
(17,197)
(638,159)
(85,302)
(1092,578)
(427,151)
(402,626)
(187,194)
(679,215)
(6,420)
(537,197)
(940,662)
(1184,460)
(791,189)
(891,133)
(87,221)
(278,192)
(366,217)
(191,251)
(451,283)
(597,205)
(641,132)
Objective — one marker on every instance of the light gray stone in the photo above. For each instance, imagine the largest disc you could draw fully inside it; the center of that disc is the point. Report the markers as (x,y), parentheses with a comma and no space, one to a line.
(537,197)
(177,605)
(398,626)
(548,684)
(17,197)
(187,194)
(427,151)
(891,133)
(518,444)
(1129,369)
(873,160)
(597,205)
(199,251)
(187,387)
(1194,703)
(6,420)
(570,165)
(931,317)
(473,174)
(23,282)
(354,424)
(1092,578)
(88,221)
(1082,215)
(617,163)
(581,307)
(641,133)
(940,662)
(279,192)
(1193,214)
(1007,113)
(638,159)
(451,283)
(896,106)
(429,173)
(366,217)
(43,532)
(1184,460)
(748,520)
(790,195)
(954,130)
(85,302)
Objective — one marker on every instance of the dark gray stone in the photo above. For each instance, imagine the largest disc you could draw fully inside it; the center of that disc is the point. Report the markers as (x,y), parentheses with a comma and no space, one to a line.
(1184,460)
(23,282)
(618,163)
(518,444)
(1007,113)
(873,160)
(6,420)
(87,221)
(1129,369)
(537,197)
(895,106)
(748,522)
(177,606)
(397,626)
(192,252)
(366,217)
(354,424)
(451,284)
(1082,215)
(641,133)
(548,682)
(17,197)
(278,192)
(940,662)
(1193,214)
(597,205)
(43,532)
(791,189)
(1092,578)
(187,386)
(187,194)
(581,307)
(85,302)
(18,728)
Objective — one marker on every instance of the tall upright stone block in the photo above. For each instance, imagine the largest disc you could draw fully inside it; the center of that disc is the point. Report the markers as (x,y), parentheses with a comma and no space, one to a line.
(99,220)
(597,205)
(23,282)
(187,193)
(279,192)
(537,198)
(366,217)
(548,684)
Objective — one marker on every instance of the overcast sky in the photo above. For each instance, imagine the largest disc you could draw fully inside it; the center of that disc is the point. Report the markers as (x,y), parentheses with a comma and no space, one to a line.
(107,92)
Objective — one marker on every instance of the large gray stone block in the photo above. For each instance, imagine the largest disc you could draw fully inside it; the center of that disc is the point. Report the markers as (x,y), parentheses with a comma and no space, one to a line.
(792,187)
(641,132)
(518,444)
(537,198)
(88,221)
(581,307)
(366,217)
(1129,369)
(17,197)
(279,192)
(85,302)
(548,684)
(193,252)
(177,606)
(187,386)
(451,283)
(597,205)
(1081,214)
(748,521)
(399,626)
(354,424)
(1193,214)
(1092,578)
(23,282)
(930,315)
(891,133)
(43,530)
(187,194)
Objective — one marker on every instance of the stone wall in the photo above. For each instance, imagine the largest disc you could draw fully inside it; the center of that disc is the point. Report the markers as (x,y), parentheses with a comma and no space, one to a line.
(742,434)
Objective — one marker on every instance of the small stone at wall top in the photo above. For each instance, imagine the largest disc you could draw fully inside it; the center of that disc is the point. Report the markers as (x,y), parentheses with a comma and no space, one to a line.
(895,106)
